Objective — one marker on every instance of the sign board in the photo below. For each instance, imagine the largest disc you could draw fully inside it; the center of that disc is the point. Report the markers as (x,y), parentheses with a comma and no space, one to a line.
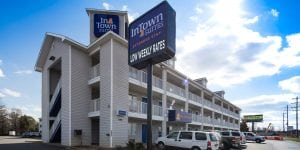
(290,128)
(152,36)
(179,116)
(104,23)
(253,118)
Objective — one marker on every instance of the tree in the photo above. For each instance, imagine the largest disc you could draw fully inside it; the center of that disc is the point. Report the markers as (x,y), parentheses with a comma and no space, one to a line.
(243,126)
(3,120)
(15,115)
(27,123)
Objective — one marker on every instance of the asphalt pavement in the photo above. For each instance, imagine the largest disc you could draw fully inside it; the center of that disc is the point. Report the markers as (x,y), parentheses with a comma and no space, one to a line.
(18,143)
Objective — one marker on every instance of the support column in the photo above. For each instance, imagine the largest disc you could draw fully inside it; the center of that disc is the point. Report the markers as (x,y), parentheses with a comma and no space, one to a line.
(202,110)
(164,101)
(213,113)
(186,106)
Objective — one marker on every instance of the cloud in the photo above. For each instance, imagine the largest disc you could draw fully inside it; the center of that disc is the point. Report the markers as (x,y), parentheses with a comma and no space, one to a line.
(271,106)
(223,48)
(131,15)
(106,5)
(292,84)
(2,95)
(0,62)
(11,93)
(1,73)
(23,72)
(264,100)
(274,12)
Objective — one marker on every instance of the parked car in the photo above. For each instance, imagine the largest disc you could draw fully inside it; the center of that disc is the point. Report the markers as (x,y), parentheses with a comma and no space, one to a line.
(243,138)
(31,134)
(194,140)
(250,136)
(230,139)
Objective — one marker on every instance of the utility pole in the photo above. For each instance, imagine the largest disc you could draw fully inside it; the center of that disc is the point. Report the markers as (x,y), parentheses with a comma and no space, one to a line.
(297,132)
(287,118)
(283,122)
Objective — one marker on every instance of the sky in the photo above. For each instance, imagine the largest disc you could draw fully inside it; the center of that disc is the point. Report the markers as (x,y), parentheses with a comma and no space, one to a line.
(249,49)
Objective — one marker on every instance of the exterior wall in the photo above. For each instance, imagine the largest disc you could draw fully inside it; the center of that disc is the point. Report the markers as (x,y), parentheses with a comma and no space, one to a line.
(106,95)
(60,51)
(81,95)
(120,93)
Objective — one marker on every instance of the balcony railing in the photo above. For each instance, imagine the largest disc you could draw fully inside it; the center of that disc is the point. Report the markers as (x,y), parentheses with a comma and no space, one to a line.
(207,103)
(217,107)
(196,118)
(141,107)
(142,76)
(195,98)
(95,105)
(95,71)
(207,119)
(175,89)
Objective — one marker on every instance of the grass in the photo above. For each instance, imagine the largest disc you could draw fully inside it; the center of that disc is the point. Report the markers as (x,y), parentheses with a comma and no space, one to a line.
(293,139)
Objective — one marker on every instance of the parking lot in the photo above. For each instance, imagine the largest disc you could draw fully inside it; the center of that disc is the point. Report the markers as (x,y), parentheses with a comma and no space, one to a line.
(17,143)
(273,145)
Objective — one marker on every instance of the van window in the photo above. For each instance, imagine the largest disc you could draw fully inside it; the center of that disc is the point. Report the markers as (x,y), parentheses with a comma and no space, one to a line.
(213,137)
(186,135)
(235,133)
(200,136)
(172,135)
(225,133)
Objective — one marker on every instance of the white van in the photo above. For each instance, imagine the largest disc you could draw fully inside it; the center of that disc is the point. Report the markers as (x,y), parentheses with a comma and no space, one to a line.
(194,140)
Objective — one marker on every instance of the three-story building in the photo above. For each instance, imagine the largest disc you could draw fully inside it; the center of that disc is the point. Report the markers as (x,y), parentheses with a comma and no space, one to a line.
(91,96)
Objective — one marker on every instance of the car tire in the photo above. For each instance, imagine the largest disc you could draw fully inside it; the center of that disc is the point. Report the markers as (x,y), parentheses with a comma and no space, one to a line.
(161,145)
(195,148)
(258,141)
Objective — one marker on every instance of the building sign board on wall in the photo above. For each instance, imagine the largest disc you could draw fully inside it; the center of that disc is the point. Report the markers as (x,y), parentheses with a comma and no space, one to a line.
(152,36)
(179,116)
(104,23)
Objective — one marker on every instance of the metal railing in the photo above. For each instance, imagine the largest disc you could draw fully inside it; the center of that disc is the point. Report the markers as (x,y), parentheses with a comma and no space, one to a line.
(207,119)
(175,89)
(95,71)
(207,103)
(141,107)
(195,98)
(196,118)
(55,123)
(95,105)
(142,76)
(55,94)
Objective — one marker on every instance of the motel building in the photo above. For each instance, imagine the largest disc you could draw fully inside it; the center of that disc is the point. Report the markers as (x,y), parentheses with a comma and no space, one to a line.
(91,96)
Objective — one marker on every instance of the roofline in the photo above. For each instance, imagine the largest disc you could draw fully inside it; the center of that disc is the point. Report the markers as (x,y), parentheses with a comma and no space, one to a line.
(44,50)
(105,37)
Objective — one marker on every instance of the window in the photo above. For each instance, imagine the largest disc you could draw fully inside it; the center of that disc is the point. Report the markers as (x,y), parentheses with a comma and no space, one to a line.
(235,133)
(173,135)
(250,134)
(213,137)
(186,135)
(200,136)
(225,133)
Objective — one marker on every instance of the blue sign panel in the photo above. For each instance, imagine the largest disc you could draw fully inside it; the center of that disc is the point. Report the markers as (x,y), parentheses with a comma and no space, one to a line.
(179,116)
(152,36)
(104,23)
